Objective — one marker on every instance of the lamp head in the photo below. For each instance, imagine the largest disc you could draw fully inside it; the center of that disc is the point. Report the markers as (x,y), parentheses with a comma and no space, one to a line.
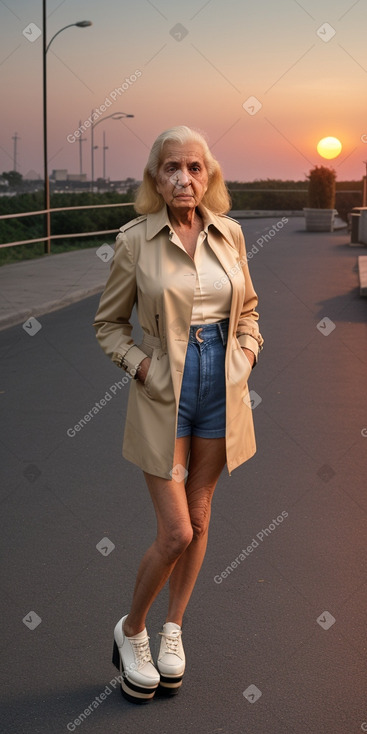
(120,116)
(84,23)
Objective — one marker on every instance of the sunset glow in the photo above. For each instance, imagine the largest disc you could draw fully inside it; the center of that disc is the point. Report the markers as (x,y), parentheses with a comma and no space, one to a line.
(329,147)
(198,64)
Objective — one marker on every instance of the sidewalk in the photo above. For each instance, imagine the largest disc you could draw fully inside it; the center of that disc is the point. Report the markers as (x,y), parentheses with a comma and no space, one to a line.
(36,287)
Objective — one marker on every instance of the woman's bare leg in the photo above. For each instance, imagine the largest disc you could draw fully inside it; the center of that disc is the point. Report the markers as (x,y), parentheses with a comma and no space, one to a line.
(174,534)
(207,459)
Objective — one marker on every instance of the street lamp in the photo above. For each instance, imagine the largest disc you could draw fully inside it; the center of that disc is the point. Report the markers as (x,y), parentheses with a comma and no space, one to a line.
(114,116)
(45,47)
(80,24)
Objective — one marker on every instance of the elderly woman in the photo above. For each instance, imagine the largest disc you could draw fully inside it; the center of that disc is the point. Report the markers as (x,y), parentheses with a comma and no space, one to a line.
(183,264)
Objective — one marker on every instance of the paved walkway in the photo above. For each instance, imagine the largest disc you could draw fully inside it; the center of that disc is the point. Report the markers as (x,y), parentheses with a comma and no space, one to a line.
(39,286)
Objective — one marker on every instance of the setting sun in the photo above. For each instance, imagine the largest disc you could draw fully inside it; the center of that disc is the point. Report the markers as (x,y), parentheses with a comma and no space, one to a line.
(329,147)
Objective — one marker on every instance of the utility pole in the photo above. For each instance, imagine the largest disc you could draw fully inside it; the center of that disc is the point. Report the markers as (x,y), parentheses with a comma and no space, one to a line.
(81,140)
(92,149)
(105,147)
(15,138)
(113,116)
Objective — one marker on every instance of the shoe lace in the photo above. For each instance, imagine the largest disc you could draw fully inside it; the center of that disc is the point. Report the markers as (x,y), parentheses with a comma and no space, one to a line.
(172,640)
(141,651)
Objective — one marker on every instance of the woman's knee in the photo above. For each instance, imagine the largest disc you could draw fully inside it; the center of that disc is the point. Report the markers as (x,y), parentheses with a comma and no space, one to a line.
(200,516)
(173,542)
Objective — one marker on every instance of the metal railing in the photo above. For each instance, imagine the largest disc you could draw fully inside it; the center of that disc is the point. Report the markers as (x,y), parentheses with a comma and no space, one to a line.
(66,235)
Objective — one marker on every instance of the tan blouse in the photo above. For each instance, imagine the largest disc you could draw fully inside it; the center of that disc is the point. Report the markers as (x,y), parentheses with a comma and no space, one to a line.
(211,303)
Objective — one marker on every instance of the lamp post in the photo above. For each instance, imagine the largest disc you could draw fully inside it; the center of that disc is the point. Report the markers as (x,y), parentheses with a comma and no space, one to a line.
(114,116)
(45,48)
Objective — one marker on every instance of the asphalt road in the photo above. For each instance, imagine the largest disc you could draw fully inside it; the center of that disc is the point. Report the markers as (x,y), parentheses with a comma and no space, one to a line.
(275,644)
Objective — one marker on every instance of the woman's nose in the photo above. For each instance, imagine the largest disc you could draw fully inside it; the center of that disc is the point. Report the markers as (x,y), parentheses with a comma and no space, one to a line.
(180,179)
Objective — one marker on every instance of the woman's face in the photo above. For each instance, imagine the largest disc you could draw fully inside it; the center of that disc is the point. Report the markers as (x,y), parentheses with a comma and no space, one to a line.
(182,177)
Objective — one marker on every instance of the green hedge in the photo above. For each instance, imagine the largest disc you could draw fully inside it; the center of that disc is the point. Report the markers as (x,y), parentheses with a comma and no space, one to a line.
(24,228)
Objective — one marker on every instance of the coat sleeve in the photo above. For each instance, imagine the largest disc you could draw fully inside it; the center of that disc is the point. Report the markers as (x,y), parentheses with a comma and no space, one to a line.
(247,332)
(112,320)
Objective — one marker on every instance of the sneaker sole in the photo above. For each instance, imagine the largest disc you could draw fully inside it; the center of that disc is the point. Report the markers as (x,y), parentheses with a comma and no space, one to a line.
(170,684)
(131,691)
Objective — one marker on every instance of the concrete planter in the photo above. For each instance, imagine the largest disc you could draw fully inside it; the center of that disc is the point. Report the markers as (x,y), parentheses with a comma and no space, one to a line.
(319,220)
(363,226)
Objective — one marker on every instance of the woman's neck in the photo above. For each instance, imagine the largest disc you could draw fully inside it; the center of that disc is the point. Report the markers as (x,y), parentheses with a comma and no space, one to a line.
(184,220)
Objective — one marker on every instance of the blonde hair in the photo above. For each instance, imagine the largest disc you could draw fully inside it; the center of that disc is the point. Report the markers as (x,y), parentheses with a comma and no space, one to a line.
(148,200)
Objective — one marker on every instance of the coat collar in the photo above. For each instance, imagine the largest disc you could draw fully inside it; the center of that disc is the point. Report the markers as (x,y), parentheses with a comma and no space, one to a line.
(157,221)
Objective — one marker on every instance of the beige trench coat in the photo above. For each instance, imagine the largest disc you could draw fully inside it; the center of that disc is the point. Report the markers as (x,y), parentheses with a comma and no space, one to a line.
(155,273)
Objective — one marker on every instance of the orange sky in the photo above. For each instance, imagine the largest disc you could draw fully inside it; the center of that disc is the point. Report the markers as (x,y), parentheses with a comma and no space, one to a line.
(306,63)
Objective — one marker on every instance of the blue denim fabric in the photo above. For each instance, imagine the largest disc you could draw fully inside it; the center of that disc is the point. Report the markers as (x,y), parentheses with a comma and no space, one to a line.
(202,408)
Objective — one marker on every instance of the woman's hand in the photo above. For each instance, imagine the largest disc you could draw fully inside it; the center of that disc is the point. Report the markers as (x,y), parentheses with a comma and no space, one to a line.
(249,354)
(143,369)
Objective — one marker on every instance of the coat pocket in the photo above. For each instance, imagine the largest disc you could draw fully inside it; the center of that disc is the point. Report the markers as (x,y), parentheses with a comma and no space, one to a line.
(239,366)
(148,384)
(158,382)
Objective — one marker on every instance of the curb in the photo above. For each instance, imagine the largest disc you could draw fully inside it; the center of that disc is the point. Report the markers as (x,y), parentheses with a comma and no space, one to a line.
(19,317)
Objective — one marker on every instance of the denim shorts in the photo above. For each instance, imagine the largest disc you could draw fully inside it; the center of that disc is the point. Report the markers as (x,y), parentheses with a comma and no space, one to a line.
(202,407)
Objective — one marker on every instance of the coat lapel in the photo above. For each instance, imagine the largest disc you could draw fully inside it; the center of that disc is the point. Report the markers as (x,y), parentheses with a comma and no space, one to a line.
(229,259)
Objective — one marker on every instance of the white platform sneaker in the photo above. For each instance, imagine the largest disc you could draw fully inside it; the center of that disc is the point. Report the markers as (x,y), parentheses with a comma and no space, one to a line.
(171,658)
(132,658)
